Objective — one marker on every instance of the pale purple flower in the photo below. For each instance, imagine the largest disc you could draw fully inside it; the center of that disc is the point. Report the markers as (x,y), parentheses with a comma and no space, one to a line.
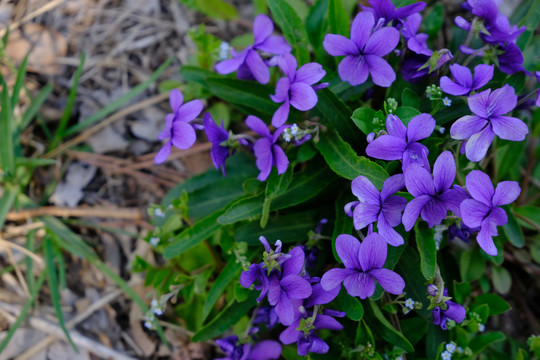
(385,11)
(454,311)
(464,82)
(288,285)
(267,152)
(383,207)
(296,88)
(401,143)
(363,265)
(484,210)
(432,195)
(178,127)
(217,135)
(248,62)
(479,129)
(415,42)
(307,341)
(234,350)
(364,51)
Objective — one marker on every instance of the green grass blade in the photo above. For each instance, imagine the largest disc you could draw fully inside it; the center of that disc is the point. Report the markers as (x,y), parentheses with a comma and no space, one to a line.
(19,82)
(59,134)
(118,102)
(24,312)
(33,109)
(6,133)
(61,267)
(53,287)
(22,161)
(71,242)
(6,201)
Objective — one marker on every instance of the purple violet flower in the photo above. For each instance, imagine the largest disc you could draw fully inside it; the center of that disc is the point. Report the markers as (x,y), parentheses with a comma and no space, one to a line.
(537,74)
(363,265)
(217,135)
(464,82)
(462,232)
(266,315)
(178,127)
(364,51)
(401,143)
(382,207)
(248,62)
(263,350)
(302,331)
(257,276)
(479,129)
(296,88)
(288,285)
(484,210)
(454,311)
(415,42)
(432,195)
(266,151)
(385,10)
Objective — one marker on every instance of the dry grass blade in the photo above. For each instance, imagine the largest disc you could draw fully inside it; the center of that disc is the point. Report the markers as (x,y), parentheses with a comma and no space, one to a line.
(98,211)
(18,271)
(32,15)
(7,245)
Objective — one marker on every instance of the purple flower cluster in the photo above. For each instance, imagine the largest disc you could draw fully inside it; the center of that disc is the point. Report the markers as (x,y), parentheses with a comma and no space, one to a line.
(448,310)
(234,350)
(290,290)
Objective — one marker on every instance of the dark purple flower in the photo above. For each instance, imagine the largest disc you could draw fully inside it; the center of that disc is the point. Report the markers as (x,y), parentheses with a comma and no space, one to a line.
(479,129)
(415,42)
(462,232)
(177,125)
(263,350)
(537,74)
(296,88)
(382,207)
(248,62)
(464,82)
(288,285)
(363,265)
(483,210)
(385,10)
(418,66)
(319,296)
(432,195)
(258,276)
(302,331)
(217,135)
(364,51)
(267,152)
(509,57)
(266,315)
(453,311)
(401,143)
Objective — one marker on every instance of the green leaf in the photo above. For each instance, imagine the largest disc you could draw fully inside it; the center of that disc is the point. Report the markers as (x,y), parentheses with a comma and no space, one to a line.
(316,23)
(364,118)
(502,281)
(410,99)
(508,155)
(433,21)
(113,106)
(7,156)
(529,212)
(471,265)
(33,109)
(292,27)
(344,161)
(512,230)
(304,186)
(482,341)
(350,305)
(335,112)
(225,319)
(425,242)
(6,202)
(218,9)
(19,82)
(522,355)
(364,335)
(387,331)
(406,113)
(276,185)
(188,238)
(66,115)
(497,305)
(53,287)
(229,272)
(338,18)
